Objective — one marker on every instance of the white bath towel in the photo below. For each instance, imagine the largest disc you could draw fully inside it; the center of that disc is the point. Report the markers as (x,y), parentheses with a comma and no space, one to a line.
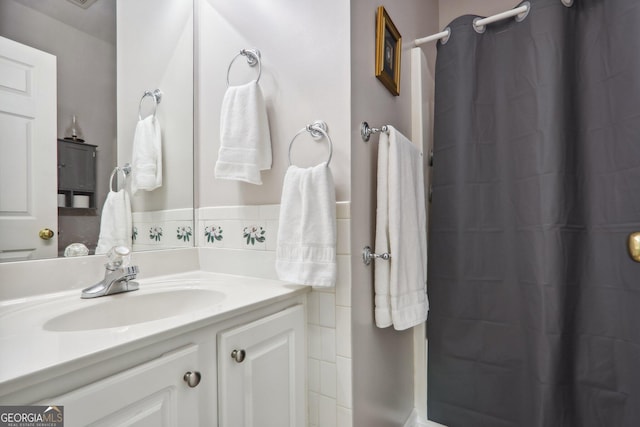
(306,245)
(245,142)
(115,224)
(146,160)
(400,283)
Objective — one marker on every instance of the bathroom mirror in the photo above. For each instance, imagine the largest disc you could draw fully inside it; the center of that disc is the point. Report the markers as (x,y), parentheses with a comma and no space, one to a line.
(108,53)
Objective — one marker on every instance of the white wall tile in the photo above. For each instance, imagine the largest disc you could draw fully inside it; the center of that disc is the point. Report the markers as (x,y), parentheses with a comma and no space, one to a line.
(314,409)
(230,212)
(327,310)
(343,331)
(328,343)
(272,239)
(327,412)
(343,283)
(315,342)
(236,261)
(257,230)
(343,210)
(314,375)
(344,417)
(328,379)
(218,228)
(344,382)
(269,212)
(343,246)
(313,306)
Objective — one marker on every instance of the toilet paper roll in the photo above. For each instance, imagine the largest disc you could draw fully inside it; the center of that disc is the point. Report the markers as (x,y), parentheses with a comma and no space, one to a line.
(80,201)
(62,200)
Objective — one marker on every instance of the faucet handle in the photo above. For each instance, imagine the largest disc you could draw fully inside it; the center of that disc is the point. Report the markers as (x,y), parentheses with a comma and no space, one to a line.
(118,256)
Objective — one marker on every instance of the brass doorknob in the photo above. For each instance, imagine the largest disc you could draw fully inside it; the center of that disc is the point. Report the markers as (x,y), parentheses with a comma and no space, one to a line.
(46,234)
(634,246)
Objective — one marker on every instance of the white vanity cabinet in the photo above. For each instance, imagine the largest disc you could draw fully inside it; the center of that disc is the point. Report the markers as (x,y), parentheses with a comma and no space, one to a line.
(261,372)
(142,383)
(153,394)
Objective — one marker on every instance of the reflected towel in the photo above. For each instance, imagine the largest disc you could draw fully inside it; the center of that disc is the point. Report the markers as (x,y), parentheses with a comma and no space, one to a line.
(146,159)
(306,245)
(115,224)
(245,143)
(400,283)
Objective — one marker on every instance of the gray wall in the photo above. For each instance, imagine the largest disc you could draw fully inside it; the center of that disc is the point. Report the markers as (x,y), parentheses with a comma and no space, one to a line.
(86,88)
(449,9)
(383,382)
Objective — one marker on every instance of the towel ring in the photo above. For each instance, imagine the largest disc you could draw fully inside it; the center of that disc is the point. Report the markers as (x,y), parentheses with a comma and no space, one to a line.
(157,97)
(317,129)
(253,58)
(126,169)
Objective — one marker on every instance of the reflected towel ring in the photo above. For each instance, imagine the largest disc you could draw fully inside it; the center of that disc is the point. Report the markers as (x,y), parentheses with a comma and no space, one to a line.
(253,58)
(317,129)
(126,169)
(157,97)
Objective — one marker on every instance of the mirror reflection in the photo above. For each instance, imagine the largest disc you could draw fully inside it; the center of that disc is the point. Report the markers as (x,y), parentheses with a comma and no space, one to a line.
(88,88)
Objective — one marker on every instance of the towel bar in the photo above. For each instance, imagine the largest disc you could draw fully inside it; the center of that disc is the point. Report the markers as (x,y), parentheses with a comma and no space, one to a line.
(253,58)
(368,255)
(366,131)
(317,129)
(125,170)
(157,97)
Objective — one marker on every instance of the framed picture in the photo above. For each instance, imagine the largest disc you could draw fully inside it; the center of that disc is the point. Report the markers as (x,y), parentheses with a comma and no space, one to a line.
(388,50)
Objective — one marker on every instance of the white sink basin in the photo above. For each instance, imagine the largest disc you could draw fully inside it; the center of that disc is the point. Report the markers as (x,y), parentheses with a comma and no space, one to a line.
(134,307)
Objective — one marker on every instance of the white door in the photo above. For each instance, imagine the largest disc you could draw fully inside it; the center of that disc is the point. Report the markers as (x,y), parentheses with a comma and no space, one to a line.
(261,372)
(28,152)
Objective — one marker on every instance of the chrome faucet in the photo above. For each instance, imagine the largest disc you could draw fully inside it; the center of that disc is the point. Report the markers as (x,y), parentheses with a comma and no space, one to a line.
(117,276)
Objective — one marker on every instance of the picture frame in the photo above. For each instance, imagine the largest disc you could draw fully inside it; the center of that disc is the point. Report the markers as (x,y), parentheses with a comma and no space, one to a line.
(388,51)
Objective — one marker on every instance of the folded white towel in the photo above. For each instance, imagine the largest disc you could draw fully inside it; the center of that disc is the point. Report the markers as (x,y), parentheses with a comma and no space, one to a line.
(245,142)
(115,224)
(306,245)
(146,161)
(400,283)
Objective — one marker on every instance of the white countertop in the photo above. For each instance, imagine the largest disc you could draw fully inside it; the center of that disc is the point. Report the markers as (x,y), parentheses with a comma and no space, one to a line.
(26,348)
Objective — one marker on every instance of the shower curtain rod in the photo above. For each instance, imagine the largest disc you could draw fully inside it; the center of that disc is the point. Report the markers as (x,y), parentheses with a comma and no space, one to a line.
(479,24)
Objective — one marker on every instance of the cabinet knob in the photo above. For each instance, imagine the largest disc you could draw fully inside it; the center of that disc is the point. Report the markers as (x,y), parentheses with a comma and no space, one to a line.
(192,378)
(46,233)
(238,355)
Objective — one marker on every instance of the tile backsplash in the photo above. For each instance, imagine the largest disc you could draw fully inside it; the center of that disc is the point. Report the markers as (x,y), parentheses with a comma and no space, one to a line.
(163,229)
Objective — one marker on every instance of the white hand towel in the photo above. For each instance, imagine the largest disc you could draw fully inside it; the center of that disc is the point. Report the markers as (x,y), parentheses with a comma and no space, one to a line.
(245,142)
(115,224)
(146,161)
(400,283)
(306,245)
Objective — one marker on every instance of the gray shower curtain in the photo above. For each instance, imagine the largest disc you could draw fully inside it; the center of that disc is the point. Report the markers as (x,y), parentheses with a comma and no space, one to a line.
(535,303)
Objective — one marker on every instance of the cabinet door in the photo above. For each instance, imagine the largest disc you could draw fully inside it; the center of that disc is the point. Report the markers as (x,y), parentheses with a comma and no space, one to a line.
(153,394)
(77,166)
(267,387)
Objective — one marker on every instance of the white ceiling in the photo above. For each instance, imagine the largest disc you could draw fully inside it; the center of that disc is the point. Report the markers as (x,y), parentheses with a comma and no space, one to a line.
(99,20)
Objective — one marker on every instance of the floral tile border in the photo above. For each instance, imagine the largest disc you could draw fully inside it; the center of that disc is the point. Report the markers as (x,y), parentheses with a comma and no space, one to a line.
(256,227)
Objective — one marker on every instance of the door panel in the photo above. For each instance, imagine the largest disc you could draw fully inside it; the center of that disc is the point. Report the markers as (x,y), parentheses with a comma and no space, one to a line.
(28,201)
